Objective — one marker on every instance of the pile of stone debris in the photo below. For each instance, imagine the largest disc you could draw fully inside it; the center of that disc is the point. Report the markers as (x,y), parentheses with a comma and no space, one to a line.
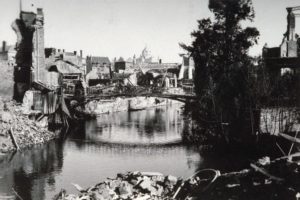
(17,130)
(265,179)
(131,185)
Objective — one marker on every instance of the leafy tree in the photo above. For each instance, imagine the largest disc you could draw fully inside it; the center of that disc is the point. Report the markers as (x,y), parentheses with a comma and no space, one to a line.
(224,75)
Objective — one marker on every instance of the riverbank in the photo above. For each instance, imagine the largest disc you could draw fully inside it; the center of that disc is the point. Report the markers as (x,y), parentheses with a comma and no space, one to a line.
(98,107)
(131,185)
(18,131)
(264,179)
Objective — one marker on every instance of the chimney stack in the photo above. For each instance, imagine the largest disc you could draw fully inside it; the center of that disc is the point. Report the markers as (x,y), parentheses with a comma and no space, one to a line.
(39,10)
(3,46)
(75,53)
(159,61)
(63,51)
(81,54)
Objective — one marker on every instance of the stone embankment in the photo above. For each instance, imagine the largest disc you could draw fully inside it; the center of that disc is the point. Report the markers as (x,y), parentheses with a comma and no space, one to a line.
(125,104)
(18,131)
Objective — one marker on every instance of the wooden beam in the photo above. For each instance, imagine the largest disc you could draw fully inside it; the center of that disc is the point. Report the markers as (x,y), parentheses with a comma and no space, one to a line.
(290,138)
(265,172)
(13,138)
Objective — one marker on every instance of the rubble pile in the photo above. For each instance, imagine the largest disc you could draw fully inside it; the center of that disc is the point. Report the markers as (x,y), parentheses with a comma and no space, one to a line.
(131,185)
(264,179)
(17,130)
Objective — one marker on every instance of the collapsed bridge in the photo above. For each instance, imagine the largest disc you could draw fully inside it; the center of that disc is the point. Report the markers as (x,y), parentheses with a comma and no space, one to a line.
(178,97)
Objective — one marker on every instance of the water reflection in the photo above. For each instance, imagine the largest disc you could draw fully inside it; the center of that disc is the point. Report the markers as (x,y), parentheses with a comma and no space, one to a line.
(96,161)
(159,125)
(29,172)
(147,140)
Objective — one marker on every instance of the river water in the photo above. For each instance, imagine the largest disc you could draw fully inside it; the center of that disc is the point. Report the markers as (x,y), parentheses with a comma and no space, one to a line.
(147,140)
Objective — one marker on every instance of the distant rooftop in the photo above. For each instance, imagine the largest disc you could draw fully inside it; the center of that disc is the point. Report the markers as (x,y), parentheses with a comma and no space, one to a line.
(98,60)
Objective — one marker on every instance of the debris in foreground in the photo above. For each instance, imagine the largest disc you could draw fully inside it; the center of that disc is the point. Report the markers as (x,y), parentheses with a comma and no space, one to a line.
(131,185)
(18,131)
(265,179)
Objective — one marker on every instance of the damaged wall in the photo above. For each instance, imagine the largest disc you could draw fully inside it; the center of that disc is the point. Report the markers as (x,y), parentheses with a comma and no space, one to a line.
(39,68)
(30,56)
(24,29)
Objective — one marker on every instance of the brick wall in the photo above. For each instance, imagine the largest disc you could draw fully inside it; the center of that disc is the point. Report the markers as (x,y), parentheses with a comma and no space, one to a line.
(39,67)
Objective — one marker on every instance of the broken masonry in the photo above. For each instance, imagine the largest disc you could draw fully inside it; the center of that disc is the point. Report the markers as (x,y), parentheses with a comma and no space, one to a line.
(30,54)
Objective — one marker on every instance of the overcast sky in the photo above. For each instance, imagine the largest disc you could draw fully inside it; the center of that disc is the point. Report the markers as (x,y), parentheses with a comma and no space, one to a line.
(117,28)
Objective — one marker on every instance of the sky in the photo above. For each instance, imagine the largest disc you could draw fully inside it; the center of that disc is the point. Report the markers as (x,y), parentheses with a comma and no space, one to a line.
(117,28)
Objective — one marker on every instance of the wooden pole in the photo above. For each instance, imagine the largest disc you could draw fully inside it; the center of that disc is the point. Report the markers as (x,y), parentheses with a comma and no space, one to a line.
(17,194)
(265,172)
(13,138)
(290,151)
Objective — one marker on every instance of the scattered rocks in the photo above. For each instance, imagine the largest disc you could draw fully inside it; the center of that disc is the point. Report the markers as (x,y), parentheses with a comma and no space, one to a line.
(25,131)
(131,185)
(6,117)
(265,179)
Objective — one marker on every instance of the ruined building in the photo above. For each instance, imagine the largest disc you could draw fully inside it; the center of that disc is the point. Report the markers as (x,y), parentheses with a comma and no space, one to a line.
(31,73)
(186,73)
(30,56)
(39,67)
(98,70)
(286,57)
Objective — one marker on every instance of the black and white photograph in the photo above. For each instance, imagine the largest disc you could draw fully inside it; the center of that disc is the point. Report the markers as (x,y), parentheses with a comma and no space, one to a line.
(149,100)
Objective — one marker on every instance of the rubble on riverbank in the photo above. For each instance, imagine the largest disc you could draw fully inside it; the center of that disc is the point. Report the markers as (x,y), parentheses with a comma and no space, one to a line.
(17,130)
(264,179)
(131,185)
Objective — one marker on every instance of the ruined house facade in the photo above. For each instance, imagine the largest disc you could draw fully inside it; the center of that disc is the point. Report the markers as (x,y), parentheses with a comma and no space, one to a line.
(187,68)
(65,70)
(286,56)
(24,29)
(121,66)
(67,62)
(186,74)
(98,70)
(97,61)
(31,59)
